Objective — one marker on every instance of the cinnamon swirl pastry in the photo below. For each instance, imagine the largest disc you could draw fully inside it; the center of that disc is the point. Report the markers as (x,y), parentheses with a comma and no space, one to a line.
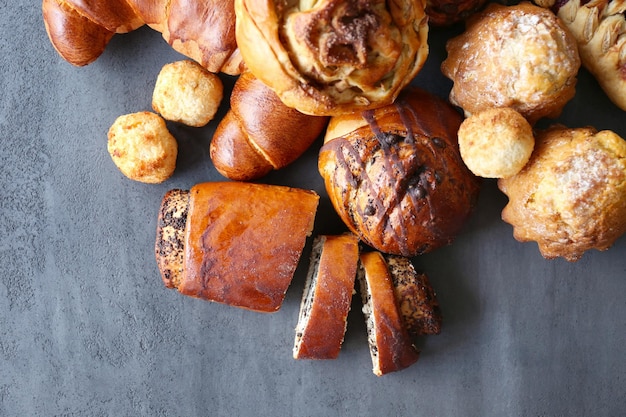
(395,174)
(333,56)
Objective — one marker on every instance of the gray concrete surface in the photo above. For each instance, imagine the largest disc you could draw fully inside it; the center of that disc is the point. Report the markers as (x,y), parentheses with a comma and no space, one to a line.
(87,328)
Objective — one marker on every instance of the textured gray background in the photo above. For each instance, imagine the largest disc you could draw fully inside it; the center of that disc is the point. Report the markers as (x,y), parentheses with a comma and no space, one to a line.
(87,328)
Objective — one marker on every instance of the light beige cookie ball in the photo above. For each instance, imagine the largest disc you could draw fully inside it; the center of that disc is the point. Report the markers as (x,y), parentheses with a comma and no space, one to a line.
(142,147)
(496,143)
(187,93)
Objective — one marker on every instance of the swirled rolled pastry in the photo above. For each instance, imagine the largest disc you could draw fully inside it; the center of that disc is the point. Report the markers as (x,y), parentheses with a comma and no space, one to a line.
(329,57)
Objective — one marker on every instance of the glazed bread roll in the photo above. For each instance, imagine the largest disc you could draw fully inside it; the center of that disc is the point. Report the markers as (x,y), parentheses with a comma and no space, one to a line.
(204,31)
(571,196)
(391,346)
(395,176)
(234,243)
(518,56)
(333,56)
(327,297)
(259,133)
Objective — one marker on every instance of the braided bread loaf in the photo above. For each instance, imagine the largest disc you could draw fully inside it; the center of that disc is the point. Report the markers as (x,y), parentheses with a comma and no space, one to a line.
(599,27)
(201,30)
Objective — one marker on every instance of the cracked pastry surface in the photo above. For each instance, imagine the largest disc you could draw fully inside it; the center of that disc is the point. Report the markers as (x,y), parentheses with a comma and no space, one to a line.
(513,56)
(330,57)
(571,196)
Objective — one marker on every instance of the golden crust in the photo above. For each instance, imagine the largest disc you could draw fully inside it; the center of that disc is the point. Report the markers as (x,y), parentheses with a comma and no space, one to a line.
(335,56)
(186,92)
(243,242)
(142,147)
(496,142)
(599,27)
(519,56)
(571,196)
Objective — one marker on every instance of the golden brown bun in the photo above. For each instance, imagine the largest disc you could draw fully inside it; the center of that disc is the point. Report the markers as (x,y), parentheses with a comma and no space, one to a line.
(76,38)
(202,30)
(395,175)
(571,196)
(259,133)
(391,347)
(142,147)
(448,12)
(327,297)
(242,241)
(599,28)
(496,142)
(519,56)
(333,56)
(187,93)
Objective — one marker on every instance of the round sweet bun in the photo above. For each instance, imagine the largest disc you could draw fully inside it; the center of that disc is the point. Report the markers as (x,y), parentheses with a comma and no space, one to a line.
(519,56)
(187,93)
(330,57)
(397,180)
(571,196)
(496,143)
(142,147)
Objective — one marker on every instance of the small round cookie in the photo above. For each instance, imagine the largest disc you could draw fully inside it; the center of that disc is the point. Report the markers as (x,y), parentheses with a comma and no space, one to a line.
(142,147)
(571,196)
(187,93)
(496,143)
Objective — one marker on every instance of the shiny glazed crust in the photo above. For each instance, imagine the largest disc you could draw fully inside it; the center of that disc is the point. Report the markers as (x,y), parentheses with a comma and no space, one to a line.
(391,347)
(571,196)
(259,133)
(327,297)
(243,242)
(332,56)
(397,180)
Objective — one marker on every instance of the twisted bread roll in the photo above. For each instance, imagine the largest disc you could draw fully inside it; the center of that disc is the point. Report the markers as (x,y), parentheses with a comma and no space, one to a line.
(333,56)
(202,30)
(395,175)
(259,133)
(599,27)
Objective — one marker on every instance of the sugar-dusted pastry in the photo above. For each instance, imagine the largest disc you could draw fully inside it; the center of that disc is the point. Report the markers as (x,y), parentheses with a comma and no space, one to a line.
(187,93)
(333,56)
(519,56)
(571,196)
(142,147)
(496,142)
(599,27)
(395,175)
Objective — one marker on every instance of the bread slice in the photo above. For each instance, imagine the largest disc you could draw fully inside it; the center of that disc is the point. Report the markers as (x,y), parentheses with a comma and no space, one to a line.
(391,347)
(241,241)
(415,296)
(327,297)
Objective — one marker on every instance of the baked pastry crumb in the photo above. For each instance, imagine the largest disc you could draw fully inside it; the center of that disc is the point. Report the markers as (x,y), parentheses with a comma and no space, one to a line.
(571,196)
(142,147)
(496,143)
(187,93)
